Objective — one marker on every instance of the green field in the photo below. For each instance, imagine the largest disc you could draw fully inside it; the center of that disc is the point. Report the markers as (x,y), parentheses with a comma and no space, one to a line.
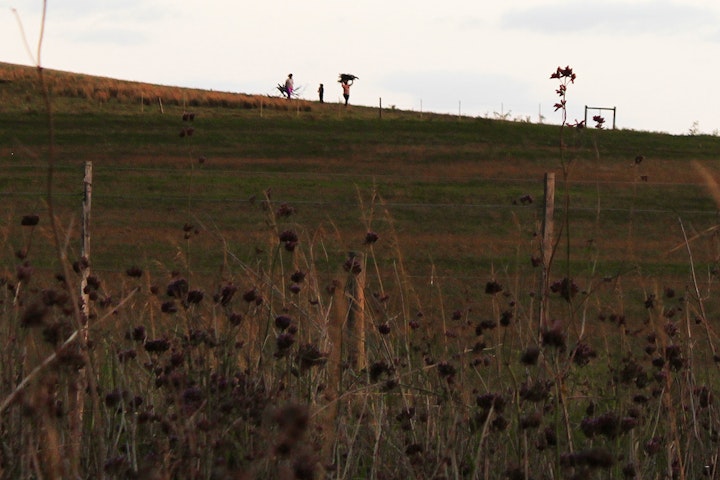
(445,191)
(457,206)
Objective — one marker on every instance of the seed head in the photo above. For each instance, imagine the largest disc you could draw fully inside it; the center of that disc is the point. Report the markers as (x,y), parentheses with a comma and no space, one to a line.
(157,346)
(284,211)
(284,341)
(250,295)
(353,265)
(113,399)
(177,288)
(371,237)
(134,272)
(138,333)
(653,446)
(34,315)
(491,400)
(446,370)
(554,337)
(29,220)
(673,354)
(282,322)
(592,458)
(704,395)
(532,420)
(288,236)
(126,355)
(566,288)
(310,356)
(377,369)
(650,301)
(235,319)
(298,276)
(195,296)
(582,353)
(493,287)
(530,356)
(413,449)
(24,271)
(628,471)
(226,294)
(535,391)
(383,328)
(80,265)
(168,307)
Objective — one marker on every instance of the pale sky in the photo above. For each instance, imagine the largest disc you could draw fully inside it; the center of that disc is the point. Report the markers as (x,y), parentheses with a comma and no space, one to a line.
(657,61)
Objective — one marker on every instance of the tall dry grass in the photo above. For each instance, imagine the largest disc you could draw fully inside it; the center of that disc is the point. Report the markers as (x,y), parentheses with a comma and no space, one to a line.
(258,373)
(253,375)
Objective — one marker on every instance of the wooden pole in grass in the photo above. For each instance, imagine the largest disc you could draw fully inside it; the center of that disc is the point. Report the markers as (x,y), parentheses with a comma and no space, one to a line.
(85,247)
(346,331)
(547,245)
(355,326)
(78,409)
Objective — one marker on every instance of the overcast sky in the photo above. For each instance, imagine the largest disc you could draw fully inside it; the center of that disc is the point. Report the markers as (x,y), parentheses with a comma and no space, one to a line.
(657,61)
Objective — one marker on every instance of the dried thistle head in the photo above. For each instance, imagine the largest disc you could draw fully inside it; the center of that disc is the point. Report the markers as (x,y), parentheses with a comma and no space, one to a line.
(29,220)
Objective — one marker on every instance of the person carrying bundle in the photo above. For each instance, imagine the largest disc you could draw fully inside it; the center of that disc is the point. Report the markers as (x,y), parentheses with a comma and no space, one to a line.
(346,80)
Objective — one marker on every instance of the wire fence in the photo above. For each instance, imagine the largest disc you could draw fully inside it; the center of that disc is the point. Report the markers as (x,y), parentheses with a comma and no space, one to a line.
(113,173)
(119,204)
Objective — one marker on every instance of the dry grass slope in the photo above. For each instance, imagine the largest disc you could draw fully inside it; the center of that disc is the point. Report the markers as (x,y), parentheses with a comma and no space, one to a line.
(102,90)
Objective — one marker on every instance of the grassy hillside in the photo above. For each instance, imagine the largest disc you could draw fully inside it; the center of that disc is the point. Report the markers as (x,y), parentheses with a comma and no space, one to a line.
(223,291)
(448,188)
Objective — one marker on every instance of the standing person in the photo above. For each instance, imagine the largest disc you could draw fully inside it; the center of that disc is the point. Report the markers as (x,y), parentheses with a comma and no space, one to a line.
(289,85)
(346,90)
(321,92)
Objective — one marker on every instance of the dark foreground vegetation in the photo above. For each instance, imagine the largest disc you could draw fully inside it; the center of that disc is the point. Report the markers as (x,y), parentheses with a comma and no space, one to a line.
(286,290)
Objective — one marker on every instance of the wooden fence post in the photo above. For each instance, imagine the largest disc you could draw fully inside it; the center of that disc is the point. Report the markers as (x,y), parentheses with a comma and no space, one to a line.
(547,246)
(85,234)
(346,331)
(355,325)
(77,404)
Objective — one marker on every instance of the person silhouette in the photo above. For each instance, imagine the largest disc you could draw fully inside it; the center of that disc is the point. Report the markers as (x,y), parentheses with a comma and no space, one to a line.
(321,92)
(289,85)
(346,90)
